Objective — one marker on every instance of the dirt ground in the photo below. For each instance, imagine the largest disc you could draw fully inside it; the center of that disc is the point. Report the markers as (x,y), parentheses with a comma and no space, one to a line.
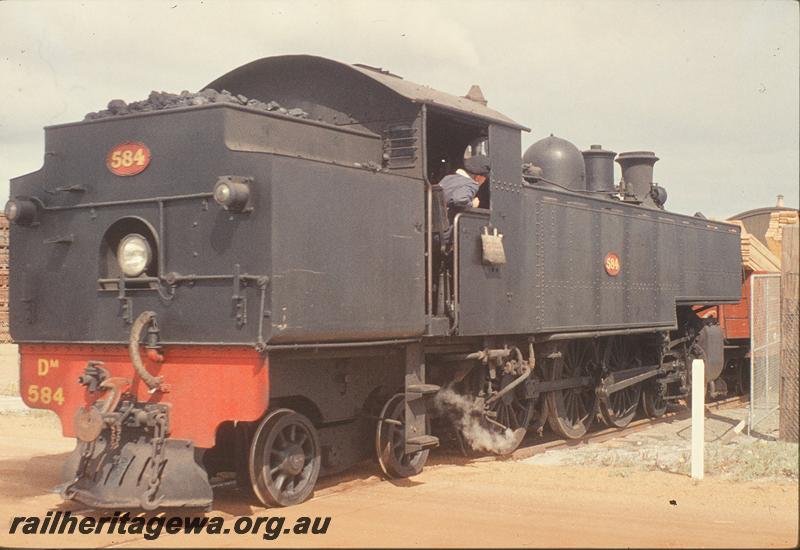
(453,503)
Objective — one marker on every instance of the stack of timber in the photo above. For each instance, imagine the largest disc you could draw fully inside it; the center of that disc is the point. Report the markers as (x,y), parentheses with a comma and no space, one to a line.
(5,337)
(777,221)
(755,255)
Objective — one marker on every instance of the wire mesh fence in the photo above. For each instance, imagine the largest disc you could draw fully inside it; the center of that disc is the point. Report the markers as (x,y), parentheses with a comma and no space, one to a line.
(790,377)
(765,347)
(789,425)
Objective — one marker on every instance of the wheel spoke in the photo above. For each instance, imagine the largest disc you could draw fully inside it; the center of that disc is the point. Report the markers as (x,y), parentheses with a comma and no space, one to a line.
(510,416)
(580,359)
(582,408)
(568,401)
(575,410)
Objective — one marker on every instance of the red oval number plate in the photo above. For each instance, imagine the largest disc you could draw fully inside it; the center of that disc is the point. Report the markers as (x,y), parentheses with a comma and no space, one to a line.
(128,159)
(612,264)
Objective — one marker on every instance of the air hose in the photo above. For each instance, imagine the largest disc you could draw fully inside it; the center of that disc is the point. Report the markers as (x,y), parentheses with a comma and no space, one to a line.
(143,320)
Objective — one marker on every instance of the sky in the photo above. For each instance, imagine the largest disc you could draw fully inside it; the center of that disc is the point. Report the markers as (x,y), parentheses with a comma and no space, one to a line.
(712,87)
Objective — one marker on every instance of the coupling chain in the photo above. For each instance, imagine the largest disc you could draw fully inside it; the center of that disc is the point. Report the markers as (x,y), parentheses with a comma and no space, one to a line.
(116,430)
(115,421)
(157,462)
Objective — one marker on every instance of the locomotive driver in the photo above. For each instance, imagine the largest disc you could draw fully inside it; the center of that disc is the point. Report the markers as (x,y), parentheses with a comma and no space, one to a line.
(461,188)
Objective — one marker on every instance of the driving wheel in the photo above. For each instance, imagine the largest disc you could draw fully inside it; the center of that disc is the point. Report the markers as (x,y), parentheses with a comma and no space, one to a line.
(619,408)
(572,410)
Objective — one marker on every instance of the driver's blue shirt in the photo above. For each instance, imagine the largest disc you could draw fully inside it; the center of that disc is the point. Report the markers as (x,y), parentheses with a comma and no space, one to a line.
(459,189)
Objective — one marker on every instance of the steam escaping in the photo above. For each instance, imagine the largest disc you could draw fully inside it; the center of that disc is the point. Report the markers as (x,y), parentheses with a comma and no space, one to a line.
(466,413)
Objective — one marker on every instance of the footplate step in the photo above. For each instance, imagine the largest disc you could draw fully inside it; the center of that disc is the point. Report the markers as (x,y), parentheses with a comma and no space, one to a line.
(422,442)
(421,390)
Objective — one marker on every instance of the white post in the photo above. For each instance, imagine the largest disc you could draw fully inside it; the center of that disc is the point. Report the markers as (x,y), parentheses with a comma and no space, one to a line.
(698,417)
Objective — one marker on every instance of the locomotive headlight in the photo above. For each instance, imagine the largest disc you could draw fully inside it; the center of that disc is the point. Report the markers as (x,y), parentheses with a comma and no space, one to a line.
(134,255)
(20,211)
(12,210)
(222,193)
(232,193)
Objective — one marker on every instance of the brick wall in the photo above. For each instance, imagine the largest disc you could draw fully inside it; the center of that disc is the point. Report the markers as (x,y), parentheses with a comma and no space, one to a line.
(5,338)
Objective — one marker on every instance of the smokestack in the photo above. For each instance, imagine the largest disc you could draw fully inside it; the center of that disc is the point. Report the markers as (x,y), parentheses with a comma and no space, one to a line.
(780,201)
(599,169)
(637,171)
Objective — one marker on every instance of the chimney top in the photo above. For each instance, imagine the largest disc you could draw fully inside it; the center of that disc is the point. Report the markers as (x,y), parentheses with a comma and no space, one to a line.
(475,94)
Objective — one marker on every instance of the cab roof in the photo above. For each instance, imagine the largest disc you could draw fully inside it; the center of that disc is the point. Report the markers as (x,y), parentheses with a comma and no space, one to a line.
(261,69)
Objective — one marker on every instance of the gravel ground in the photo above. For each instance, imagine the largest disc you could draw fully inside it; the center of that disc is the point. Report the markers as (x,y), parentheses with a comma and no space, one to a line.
(729,454)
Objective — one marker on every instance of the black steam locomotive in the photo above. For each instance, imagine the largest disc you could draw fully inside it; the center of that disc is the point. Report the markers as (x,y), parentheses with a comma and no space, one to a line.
(253,280)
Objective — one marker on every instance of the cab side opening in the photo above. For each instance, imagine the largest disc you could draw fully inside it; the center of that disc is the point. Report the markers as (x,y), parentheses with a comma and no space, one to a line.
(450,139)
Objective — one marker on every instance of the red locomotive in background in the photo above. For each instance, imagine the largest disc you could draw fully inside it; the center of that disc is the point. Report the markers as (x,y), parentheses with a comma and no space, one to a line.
(758,227)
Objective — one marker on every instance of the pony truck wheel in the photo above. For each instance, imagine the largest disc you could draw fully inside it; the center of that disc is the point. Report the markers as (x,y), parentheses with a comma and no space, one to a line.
(284,458)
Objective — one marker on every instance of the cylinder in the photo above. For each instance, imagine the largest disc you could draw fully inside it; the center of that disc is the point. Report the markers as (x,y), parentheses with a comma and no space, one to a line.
(599,169)
(560,161)
(637,171)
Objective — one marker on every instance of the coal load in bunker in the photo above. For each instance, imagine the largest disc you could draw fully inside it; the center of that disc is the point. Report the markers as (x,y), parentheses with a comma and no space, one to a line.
(266,279)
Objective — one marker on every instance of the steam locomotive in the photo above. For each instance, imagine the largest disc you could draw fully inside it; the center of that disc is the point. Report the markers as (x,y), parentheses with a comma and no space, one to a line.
(213,282)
